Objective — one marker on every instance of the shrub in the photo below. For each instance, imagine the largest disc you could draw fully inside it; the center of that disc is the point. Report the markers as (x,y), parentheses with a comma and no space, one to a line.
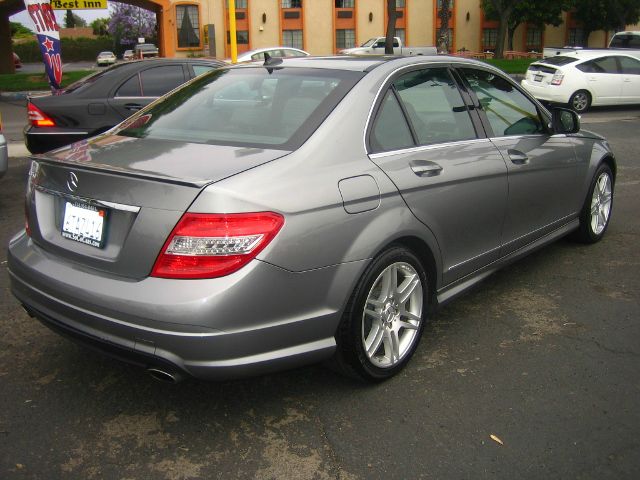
(73,49)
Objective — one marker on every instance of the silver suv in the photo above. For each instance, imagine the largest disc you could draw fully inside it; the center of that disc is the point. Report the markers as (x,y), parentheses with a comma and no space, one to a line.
(146,49)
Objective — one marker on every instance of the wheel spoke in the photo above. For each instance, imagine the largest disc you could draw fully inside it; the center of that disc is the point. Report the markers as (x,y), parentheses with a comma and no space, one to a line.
(391,346)
(407,325)
(389,281)
(373,341)
(373,314)
(410,315)
(407,287)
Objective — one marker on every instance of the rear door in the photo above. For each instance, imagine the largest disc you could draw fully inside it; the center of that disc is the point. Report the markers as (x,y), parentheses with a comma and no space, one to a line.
(145,86)
(544,180)
(604,79)
(430,144)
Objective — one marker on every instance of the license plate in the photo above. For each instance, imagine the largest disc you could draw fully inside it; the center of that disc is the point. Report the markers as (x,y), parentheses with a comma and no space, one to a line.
(538,78)
(84,223)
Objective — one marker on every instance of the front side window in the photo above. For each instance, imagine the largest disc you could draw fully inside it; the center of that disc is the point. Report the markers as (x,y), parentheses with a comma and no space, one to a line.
(630,66)
(188,26)
(434,106)
(292,38)
(249,107)
(508,110)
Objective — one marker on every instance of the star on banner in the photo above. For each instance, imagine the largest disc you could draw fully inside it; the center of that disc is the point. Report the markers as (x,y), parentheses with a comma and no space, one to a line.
(48,44)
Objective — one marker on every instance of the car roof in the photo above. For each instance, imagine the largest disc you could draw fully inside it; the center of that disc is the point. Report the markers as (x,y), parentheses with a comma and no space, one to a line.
(365,63)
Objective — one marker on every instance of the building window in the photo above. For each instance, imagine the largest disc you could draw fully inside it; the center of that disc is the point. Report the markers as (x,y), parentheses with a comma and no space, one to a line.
(345,3)
(401,34)
(400,3)
(345,38)
(489,38)
(534,38)
(239,3)
(188,26)
(242,37)
(450,4)
(291,3)
(575,36)
(292,38)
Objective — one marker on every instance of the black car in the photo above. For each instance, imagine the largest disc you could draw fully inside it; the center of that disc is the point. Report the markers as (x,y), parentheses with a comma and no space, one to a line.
(100,101)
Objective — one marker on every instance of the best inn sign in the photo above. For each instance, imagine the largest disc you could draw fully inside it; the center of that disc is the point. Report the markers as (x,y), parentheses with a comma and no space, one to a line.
(78,4)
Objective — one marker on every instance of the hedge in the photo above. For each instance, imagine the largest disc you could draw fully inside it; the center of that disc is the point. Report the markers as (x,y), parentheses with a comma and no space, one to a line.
(73,49)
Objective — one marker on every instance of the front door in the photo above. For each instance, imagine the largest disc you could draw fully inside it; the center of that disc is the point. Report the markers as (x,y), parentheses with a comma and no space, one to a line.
(544,181)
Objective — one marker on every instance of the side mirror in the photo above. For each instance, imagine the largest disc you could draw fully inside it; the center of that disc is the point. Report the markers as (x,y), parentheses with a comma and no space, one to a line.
(565,121)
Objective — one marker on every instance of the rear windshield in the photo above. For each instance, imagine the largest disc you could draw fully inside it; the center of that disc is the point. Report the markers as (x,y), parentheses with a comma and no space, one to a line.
(560,60)
(254,107)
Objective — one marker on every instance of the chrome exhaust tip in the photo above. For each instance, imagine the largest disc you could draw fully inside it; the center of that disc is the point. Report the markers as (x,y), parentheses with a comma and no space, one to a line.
(164,376)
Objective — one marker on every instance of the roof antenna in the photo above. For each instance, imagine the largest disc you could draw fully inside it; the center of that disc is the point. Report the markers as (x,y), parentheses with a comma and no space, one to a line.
(270,61)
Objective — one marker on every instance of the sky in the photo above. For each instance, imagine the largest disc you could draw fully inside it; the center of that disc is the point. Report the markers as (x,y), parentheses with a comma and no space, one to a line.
(89,15)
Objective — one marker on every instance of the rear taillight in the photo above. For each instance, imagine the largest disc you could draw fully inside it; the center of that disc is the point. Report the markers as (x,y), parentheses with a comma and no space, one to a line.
(38,118)
(206,245)
(557,78)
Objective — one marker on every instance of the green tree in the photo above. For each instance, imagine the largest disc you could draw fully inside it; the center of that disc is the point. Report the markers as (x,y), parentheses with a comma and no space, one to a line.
(611,15)
(535,12)
(19,31)
(99,26)
(69,20)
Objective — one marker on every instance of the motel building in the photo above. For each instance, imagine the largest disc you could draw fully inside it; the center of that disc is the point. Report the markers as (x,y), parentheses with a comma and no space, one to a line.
(323,27)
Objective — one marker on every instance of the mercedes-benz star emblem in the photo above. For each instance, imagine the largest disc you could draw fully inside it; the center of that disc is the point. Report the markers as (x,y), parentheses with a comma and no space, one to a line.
(72,182)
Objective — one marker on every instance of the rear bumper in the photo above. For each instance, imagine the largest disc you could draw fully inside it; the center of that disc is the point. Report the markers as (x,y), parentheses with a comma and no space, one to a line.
(41,140)
(257,320)
(548,93)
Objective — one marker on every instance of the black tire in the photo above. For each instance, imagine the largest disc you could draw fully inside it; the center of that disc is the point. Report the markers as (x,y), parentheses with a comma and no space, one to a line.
(580,101)
(351,357)
(592,229)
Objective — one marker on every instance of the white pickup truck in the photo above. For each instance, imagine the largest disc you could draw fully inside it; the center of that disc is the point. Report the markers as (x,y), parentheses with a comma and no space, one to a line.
(621,42)
(375,46)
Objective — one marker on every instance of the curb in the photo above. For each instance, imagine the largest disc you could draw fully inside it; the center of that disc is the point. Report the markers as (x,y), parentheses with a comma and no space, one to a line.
(17,149)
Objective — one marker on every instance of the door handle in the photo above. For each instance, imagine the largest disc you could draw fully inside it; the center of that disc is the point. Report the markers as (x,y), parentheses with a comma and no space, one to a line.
(132,106)
(425,168)
(517,157)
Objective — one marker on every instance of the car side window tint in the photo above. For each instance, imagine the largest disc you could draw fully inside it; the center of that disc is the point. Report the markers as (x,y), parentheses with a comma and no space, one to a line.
(157,81)
(508,110)
(630,66)
(390,130)
(130,88)
(606,65)
(434,106)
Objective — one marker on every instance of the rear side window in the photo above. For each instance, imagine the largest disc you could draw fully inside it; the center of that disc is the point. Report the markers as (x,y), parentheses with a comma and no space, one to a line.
(157,81)
(434,106)
(508,110)
(256,107)
(390,131)
(130,88)
(600,65)
(200,69)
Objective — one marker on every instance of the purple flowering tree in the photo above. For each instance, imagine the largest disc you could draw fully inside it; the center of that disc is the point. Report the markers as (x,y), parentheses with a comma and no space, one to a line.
(128,23)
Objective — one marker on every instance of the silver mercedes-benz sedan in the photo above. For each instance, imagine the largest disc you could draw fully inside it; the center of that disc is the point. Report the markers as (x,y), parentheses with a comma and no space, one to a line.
(263,217)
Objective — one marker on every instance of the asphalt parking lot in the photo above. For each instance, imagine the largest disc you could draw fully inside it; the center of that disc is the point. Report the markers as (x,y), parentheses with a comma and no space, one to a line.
(544,356)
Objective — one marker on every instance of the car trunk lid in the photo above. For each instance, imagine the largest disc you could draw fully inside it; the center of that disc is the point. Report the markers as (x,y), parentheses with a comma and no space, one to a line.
(540,73)
(130,191)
